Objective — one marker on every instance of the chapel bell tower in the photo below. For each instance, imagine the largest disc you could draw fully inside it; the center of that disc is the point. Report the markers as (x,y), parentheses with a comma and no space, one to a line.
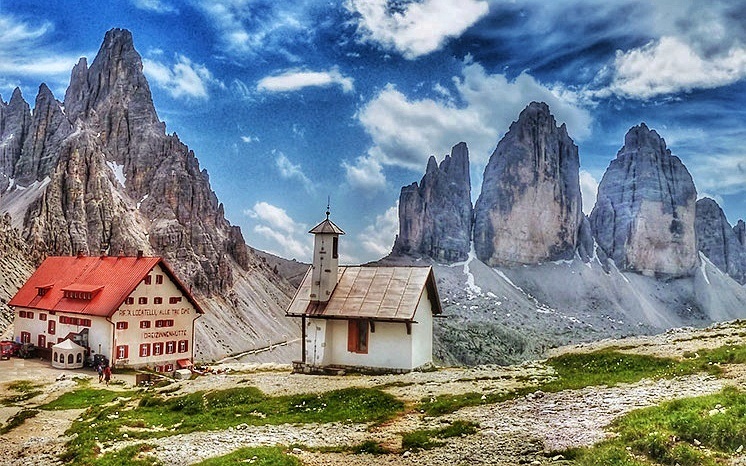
(325,259)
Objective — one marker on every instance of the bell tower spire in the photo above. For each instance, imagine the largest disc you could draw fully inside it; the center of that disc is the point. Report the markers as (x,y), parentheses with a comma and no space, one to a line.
(325,268)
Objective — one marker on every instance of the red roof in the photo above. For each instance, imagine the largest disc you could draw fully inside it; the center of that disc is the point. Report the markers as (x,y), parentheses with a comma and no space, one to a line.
(111,279)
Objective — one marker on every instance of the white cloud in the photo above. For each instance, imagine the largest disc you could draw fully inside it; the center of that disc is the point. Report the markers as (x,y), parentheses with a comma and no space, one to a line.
(156,6)
(289,170)
(293,80)
(181,79)
(417,28)
(24,53)
(276,225)
(251,26)
(366,174)
(588,191)
(721,174)
(406,132)
(376,240)
(248,139)
(670,65)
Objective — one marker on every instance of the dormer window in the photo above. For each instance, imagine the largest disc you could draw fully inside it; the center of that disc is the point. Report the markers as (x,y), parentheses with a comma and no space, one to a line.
(82,292)
(42,290)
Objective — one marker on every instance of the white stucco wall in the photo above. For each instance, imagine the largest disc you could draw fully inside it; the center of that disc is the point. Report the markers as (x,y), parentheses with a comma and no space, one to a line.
(422,333)
(183,314)
(388,347)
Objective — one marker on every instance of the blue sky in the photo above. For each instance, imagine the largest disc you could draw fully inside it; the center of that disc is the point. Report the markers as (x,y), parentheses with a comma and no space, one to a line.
(288,102)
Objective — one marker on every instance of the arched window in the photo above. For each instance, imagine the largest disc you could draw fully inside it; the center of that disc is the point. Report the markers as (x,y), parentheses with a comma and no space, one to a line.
(79,359)
(55,356)
(70,358)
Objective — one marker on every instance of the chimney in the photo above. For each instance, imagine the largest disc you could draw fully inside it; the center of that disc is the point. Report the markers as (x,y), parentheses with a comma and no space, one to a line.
(80,253)
(139,253)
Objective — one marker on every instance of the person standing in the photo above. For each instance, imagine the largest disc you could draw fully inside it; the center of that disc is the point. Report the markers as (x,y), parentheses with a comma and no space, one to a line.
(100,371)
(107,374)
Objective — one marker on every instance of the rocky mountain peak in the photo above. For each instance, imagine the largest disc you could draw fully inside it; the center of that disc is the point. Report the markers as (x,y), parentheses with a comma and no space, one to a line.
(15,119)
(115,79)
(717,240)
(435,217)
(530,208)
(740,231)
(645,210)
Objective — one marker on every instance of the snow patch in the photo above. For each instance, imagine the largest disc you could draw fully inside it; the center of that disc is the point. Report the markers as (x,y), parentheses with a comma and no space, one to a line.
(139,203)
(505,277)
(703,269)
(471,286)
(118,171)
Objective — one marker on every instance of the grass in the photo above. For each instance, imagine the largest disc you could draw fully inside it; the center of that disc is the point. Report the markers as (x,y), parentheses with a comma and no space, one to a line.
(25,390)
(700,431)
(155,416)
(603,367)
(258,456)
(84,398)
(17,420)
(128,456)
(425,439)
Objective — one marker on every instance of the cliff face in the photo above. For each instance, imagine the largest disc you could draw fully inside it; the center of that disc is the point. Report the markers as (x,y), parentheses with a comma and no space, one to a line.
(103,176)
(644,213)
(717,240)
(740,231)
(435,217)
(530,208)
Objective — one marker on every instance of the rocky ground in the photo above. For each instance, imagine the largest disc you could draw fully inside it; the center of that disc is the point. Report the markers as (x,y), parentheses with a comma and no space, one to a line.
(521,431)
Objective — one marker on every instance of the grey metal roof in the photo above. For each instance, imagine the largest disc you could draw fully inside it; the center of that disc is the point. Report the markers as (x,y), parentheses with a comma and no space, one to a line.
(376,293)
(327,226)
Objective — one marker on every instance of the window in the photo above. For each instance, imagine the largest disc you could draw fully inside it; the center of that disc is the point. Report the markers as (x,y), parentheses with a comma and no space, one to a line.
(164,323)
(335,247)
(42,317)
(25,337)
(174,300)
(51,326)
(55,356)
(158,300)
(22,314)
(159,368)
(85,322)
(357,336)
(129,300)
(50,345)
(70,358)
(157,349)
(159,279)
(122,351)
(183,346)
(79,358)
(142,300)
(148,279)
(26,314)
(122,325)
(170,347)
(144,324)
(169,368)
(42,341)
(144,350)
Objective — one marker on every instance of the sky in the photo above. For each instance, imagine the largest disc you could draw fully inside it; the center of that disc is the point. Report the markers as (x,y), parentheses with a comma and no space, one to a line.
(290,103)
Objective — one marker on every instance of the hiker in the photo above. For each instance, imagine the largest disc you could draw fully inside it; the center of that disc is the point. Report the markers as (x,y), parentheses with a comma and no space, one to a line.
(100,371)
(107,374)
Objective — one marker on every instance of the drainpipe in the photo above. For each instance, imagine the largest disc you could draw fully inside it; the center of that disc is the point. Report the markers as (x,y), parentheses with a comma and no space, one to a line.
(303,339)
